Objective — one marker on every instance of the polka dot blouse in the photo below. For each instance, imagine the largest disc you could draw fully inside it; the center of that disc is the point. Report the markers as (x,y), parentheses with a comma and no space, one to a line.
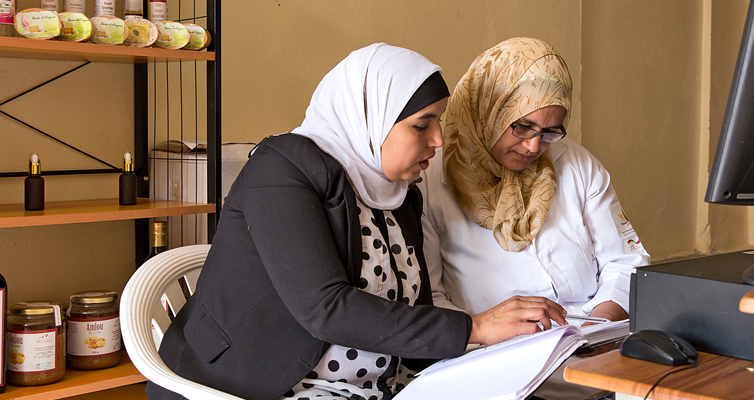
(389,270)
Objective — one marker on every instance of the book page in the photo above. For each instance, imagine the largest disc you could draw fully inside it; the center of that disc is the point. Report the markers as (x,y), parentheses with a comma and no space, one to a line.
(478,351)
(507,370)
(603,333)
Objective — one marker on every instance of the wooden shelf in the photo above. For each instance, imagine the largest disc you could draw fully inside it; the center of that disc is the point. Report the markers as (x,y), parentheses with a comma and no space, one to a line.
(80,382)
(747,303)
(135,391)
(73,212)
(13,47)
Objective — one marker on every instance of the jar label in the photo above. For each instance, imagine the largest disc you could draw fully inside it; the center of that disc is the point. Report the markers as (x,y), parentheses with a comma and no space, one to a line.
(38,24)
(2,329)
(76,27)
(78,6)
(32,351)
(158,11)
(196,38)
(108,31)
(50,5)
(104,7)
(7,11)
(171,35)
(93,337)
(137,33)
(58,315)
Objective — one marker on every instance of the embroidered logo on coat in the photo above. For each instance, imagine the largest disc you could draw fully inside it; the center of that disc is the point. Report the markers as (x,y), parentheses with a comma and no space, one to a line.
(631,242)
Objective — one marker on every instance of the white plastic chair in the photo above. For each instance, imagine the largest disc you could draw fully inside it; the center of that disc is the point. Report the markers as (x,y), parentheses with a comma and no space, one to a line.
(141,306)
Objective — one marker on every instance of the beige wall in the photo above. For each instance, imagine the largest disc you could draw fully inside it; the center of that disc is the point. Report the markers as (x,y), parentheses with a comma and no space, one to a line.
(651,80)
(656,77)
(92,109)
(641,79)
(270,72)
(649,95)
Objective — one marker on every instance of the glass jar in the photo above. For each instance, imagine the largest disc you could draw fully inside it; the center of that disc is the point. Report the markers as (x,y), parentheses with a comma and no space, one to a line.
(36,344)
(93,330)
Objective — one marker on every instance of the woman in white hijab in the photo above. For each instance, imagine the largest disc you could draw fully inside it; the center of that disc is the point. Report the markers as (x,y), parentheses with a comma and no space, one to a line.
(316,284)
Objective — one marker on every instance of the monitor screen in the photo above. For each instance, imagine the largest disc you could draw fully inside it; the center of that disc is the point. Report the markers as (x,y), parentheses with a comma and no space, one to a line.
(731,179)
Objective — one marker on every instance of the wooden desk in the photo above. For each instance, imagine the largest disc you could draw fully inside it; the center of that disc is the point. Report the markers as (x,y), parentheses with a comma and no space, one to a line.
(747,303)
(717,377)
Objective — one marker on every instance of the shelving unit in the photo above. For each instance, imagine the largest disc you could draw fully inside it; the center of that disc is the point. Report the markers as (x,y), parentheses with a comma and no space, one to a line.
(68,212)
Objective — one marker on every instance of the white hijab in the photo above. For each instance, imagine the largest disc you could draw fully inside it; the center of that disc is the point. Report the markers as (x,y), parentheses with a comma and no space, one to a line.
(354,108)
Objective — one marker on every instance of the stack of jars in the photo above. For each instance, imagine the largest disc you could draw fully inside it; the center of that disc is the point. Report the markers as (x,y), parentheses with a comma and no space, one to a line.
(42,341)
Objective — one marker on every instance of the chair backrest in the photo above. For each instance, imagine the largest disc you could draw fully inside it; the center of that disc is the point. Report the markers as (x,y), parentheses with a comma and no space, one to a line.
(141,308)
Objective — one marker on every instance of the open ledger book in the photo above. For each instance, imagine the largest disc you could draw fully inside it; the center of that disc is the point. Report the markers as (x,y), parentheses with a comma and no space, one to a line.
(512,369)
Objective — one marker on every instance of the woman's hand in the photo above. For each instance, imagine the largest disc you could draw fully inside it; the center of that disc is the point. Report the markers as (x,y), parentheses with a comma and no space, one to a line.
(611,311)
(516,316)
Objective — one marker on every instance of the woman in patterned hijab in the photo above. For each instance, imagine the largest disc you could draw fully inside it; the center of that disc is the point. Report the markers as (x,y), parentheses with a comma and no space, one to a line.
(517,210)
(507,82)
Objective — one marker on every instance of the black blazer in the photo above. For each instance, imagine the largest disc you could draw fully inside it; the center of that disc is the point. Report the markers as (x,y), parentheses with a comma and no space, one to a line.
(280,282)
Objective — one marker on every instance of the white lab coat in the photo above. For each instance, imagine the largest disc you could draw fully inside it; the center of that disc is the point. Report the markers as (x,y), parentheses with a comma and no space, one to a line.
(582,256)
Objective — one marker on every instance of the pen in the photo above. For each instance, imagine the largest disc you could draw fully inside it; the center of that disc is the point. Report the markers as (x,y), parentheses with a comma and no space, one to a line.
(585,318)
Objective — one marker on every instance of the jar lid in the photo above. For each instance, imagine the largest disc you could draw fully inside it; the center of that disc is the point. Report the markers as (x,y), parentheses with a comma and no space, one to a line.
(94,297)
(32,308)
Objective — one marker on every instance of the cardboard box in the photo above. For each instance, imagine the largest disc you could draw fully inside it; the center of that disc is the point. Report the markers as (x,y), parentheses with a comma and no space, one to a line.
(183,176)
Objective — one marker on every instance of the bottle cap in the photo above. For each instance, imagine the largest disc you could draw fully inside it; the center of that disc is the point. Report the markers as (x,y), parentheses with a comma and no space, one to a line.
(35,167)
(159,233)
(159,227)
(128,165)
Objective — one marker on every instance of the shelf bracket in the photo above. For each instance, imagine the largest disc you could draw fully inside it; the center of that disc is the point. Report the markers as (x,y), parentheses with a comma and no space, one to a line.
(111,169)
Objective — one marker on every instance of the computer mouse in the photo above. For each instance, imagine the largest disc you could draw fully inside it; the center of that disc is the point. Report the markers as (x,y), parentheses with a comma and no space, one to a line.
(658,347)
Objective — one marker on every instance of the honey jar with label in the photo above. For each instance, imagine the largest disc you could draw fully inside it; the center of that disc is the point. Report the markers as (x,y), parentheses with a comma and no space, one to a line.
(36,344)
(93,330)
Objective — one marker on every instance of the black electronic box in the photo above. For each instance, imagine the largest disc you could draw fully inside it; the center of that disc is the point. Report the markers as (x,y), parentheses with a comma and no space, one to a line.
(697,299)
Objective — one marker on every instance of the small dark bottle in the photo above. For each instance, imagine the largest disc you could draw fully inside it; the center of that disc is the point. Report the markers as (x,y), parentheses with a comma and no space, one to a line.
(3,320)
(158,242)
(158,238)
(127,182)
(34,186)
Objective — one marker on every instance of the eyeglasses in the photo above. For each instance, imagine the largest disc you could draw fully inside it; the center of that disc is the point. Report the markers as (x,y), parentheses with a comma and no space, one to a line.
(527,132)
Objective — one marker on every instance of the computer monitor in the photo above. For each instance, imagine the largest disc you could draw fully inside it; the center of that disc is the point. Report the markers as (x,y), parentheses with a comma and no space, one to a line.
(731,180)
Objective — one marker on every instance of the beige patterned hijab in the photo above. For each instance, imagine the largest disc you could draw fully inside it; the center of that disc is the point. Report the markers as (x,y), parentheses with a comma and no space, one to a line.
(503,84)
